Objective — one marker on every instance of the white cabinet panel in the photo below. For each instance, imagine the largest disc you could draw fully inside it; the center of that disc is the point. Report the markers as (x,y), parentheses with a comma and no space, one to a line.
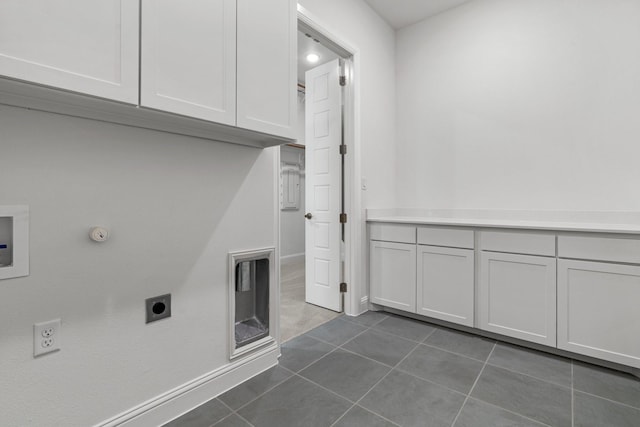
(517,296)
(598,311)
(445,288)
(266,66)
(188,58)
(90,47)
(520,243)
(450,237)
(393,275)
(600,248)
(393,233)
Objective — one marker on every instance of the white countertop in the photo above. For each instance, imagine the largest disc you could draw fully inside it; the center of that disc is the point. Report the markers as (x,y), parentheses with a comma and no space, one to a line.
(596,222)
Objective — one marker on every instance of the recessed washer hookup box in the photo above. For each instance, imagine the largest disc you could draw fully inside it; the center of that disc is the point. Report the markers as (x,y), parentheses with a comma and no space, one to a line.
(14,241)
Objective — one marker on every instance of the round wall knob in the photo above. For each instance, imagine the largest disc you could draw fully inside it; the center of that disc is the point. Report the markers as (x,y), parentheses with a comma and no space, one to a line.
(308,216)
(99,234)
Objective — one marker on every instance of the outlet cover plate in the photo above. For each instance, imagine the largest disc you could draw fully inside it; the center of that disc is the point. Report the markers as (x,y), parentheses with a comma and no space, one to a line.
(158,307)
(46,337)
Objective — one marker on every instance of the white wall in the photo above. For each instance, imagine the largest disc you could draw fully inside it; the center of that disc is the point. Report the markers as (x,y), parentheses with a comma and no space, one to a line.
(521,104)
(292,221)
(175,206)
(358,25)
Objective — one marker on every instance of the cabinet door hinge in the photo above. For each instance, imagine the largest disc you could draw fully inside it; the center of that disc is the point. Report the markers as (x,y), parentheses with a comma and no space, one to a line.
(343,287)
(343,149)
(343,218)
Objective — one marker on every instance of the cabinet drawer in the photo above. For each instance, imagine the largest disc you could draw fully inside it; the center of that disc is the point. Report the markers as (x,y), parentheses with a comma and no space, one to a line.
(393,233)
(599,248)
(451,237)
(519,243)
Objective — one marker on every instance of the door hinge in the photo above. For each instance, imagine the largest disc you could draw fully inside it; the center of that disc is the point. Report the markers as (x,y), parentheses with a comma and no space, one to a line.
(343,80)
(343,149)
(343,287)
(343,218)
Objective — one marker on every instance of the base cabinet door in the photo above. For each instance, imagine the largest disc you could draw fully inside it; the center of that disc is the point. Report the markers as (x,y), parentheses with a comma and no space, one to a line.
(445,287)
(89,47)
(517,296)
(393,275)
(598,312)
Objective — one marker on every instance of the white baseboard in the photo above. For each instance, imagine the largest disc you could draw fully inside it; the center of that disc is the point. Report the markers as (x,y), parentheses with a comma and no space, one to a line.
(290,259)
(192,394)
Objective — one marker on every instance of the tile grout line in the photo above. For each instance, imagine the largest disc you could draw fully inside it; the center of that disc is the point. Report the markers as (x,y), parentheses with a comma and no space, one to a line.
(333,350)
(374,386)
(261,394)
(609,400)
(572,398)
(473,386)
(452,352)
(530,376)
(233,412)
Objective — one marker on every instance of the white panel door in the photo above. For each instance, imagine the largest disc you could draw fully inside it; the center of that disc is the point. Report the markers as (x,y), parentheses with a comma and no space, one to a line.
(90,47)
(517,296)
(445,288)
(267,53)
(189,58)
(392,275)
(598,311)
(323,129)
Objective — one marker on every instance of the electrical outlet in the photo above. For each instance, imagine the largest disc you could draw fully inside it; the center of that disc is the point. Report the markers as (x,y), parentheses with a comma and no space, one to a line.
(46,337)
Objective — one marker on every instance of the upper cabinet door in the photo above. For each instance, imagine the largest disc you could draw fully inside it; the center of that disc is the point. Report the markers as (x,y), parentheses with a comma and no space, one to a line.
(90,47)
(189,58)
(267,66)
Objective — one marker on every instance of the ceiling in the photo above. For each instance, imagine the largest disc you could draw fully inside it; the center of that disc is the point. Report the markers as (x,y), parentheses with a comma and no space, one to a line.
(307,45)
(402,13)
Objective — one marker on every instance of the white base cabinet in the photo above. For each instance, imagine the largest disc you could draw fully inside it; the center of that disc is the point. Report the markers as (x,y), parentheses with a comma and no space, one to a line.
(517,296)
(598,312)
(393,275)
(445,288)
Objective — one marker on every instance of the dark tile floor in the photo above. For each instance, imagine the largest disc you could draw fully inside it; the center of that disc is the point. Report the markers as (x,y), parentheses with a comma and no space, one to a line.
(381,370)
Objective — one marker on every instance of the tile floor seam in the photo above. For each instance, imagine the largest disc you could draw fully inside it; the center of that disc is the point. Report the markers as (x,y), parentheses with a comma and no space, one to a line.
(245,420)
(362,324)
(511,412)
(231,415)
(320,339)
(376,384)
(637,408)
(326,389)
(354,337)
(453,352)
(333,350)
(261,394)
(430,381)
(365,357)
(572,398)
(455,419)
(527,375)
(401,337)
(342,416)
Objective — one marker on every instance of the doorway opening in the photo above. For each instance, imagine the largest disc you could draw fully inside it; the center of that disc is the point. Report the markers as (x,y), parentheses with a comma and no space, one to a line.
(312,193)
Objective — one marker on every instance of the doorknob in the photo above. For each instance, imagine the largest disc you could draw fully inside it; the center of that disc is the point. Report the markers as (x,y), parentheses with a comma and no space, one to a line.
(308,216)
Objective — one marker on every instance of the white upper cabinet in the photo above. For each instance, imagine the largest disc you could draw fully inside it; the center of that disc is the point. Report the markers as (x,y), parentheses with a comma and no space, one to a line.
(90,47)
(189,58)
(267,66)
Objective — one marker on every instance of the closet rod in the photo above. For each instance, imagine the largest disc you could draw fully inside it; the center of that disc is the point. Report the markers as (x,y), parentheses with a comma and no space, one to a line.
(296,146)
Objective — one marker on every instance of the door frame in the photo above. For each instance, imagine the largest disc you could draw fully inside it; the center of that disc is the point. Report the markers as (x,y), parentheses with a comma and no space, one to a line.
(354,268)
(355,226)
